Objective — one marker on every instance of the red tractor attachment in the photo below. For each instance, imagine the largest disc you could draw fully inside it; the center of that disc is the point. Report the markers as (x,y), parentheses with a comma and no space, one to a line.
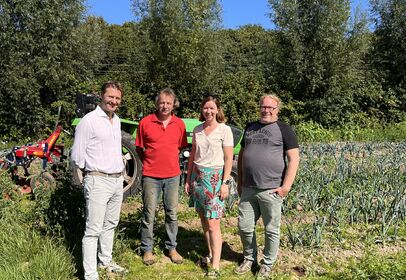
(50,153)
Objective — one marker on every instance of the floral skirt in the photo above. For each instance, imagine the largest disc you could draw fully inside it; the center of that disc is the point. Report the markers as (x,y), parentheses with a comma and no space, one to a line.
(206,183)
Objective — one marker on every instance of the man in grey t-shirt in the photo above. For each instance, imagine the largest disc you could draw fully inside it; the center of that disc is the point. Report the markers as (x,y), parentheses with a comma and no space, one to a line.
(264,179)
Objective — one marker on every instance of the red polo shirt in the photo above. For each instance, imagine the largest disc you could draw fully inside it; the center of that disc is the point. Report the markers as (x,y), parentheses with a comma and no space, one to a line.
(161,146)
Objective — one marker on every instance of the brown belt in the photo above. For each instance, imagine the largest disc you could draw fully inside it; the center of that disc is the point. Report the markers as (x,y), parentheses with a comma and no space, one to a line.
(97,173)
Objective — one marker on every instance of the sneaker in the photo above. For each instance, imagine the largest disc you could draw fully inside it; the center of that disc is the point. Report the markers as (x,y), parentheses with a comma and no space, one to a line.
(113,268)
(244,267)
(148,258)
(175,257)
(264,272)
(213,273)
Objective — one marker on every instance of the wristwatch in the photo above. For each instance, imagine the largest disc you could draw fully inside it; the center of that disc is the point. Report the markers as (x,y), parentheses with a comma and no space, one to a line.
(227,182)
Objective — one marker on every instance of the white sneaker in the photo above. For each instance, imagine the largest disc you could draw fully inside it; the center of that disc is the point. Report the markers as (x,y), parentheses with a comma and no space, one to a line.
(113,267)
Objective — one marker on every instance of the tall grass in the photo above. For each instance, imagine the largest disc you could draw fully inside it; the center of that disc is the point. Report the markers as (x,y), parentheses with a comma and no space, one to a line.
(25,254)
(27,250)
(372,267)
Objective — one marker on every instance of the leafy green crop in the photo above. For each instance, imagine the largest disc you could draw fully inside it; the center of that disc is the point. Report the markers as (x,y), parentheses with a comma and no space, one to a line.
(345,184)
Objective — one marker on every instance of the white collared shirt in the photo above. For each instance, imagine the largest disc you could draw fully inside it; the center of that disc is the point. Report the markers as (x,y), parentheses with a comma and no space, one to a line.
(97,145)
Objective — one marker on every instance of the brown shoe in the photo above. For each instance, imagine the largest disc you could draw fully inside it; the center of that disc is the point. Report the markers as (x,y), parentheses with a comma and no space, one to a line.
(175,257)
(148,258)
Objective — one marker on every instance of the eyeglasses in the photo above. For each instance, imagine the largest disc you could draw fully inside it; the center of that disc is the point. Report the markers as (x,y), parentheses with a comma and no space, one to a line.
(270,108)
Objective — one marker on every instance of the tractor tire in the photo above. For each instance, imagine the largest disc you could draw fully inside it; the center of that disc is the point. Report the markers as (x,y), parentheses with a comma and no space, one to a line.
(132,166)
(41,182)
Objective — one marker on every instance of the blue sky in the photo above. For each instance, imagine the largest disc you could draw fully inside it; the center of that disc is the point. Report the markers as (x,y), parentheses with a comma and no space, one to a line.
(235,12)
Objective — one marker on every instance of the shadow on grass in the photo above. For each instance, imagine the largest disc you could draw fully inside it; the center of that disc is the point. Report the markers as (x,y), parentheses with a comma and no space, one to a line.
(191,242)
(66,219)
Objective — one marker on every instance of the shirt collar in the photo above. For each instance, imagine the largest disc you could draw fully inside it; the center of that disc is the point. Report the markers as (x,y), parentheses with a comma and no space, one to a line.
(101,113)
(155,118)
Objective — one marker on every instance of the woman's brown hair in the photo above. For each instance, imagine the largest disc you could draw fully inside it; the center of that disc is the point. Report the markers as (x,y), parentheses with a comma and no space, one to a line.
(220,114)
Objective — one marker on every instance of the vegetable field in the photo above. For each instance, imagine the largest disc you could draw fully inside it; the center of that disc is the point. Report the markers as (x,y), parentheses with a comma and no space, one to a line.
(346,184)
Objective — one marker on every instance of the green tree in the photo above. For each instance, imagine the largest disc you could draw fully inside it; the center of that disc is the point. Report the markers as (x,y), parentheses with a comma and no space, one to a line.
(388,56)
(42,57)
(120,58)
(245,71)
(318,59)
(181,47)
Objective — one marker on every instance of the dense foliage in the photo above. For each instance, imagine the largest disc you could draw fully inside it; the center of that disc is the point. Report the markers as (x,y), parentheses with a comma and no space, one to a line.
(331,68)
(42,58)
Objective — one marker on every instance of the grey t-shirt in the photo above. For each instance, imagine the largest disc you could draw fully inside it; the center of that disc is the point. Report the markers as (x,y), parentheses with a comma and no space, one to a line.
(265,147)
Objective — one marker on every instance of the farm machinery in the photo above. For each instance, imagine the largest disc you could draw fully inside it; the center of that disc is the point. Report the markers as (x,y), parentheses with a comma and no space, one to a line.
(49,154)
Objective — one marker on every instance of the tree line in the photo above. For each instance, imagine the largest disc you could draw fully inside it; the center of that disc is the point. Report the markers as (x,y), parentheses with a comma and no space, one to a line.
(330,66)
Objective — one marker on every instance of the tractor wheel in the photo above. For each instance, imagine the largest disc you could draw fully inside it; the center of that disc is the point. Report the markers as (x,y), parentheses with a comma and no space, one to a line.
(133,166)
(42,181)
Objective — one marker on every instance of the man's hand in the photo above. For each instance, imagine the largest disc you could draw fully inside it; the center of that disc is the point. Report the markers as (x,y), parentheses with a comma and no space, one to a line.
(282,191)
(187,188)
(77,175)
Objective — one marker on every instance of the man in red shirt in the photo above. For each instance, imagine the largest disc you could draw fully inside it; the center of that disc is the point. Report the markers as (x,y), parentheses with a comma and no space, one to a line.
(160,137)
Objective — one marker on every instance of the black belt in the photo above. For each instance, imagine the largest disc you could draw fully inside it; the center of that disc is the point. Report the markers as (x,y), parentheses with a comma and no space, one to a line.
(98,173)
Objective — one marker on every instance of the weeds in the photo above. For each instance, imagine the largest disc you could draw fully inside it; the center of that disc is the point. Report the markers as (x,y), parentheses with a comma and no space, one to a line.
(373,267)
(25,254)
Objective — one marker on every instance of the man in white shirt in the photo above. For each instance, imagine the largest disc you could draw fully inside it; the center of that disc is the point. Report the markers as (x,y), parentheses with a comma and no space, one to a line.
(97,152)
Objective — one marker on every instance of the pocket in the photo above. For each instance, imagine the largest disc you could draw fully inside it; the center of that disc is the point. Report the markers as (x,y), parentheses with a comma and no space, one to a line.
(276,196)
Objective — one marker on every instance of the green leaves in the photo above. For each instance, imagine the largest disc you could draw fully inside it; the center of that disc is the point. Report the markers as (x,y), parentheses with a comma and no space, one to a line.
(40,61)
(181,47)
(328,67)
(320,57)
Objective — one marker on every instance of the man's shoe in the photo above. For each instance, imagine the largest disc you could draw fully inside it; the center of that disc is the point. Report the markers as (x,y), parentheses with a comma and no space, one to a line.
(148,258)
(244,267)
(175,257)
(113,267)
(264,272)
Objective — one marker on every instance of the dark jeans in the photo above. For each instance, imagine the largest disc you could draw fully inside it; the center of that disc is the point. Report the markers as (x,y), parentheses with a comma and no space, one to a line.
(152,188)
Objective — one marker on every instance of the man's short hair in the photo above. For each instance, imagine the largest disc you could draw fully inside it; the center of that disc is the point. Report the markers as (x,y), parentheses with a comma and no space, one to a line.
(168,92)
(272,96)
(112,84)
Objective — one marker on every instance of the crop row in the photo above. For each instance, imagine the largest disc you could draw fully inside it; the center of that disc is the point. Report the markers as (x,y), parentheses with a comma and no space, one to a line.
(345,184)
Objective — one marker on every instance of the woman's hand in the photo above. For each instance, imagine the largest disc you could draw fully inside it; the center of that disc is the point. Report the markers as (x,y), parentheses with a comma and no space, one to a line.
(224,192)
